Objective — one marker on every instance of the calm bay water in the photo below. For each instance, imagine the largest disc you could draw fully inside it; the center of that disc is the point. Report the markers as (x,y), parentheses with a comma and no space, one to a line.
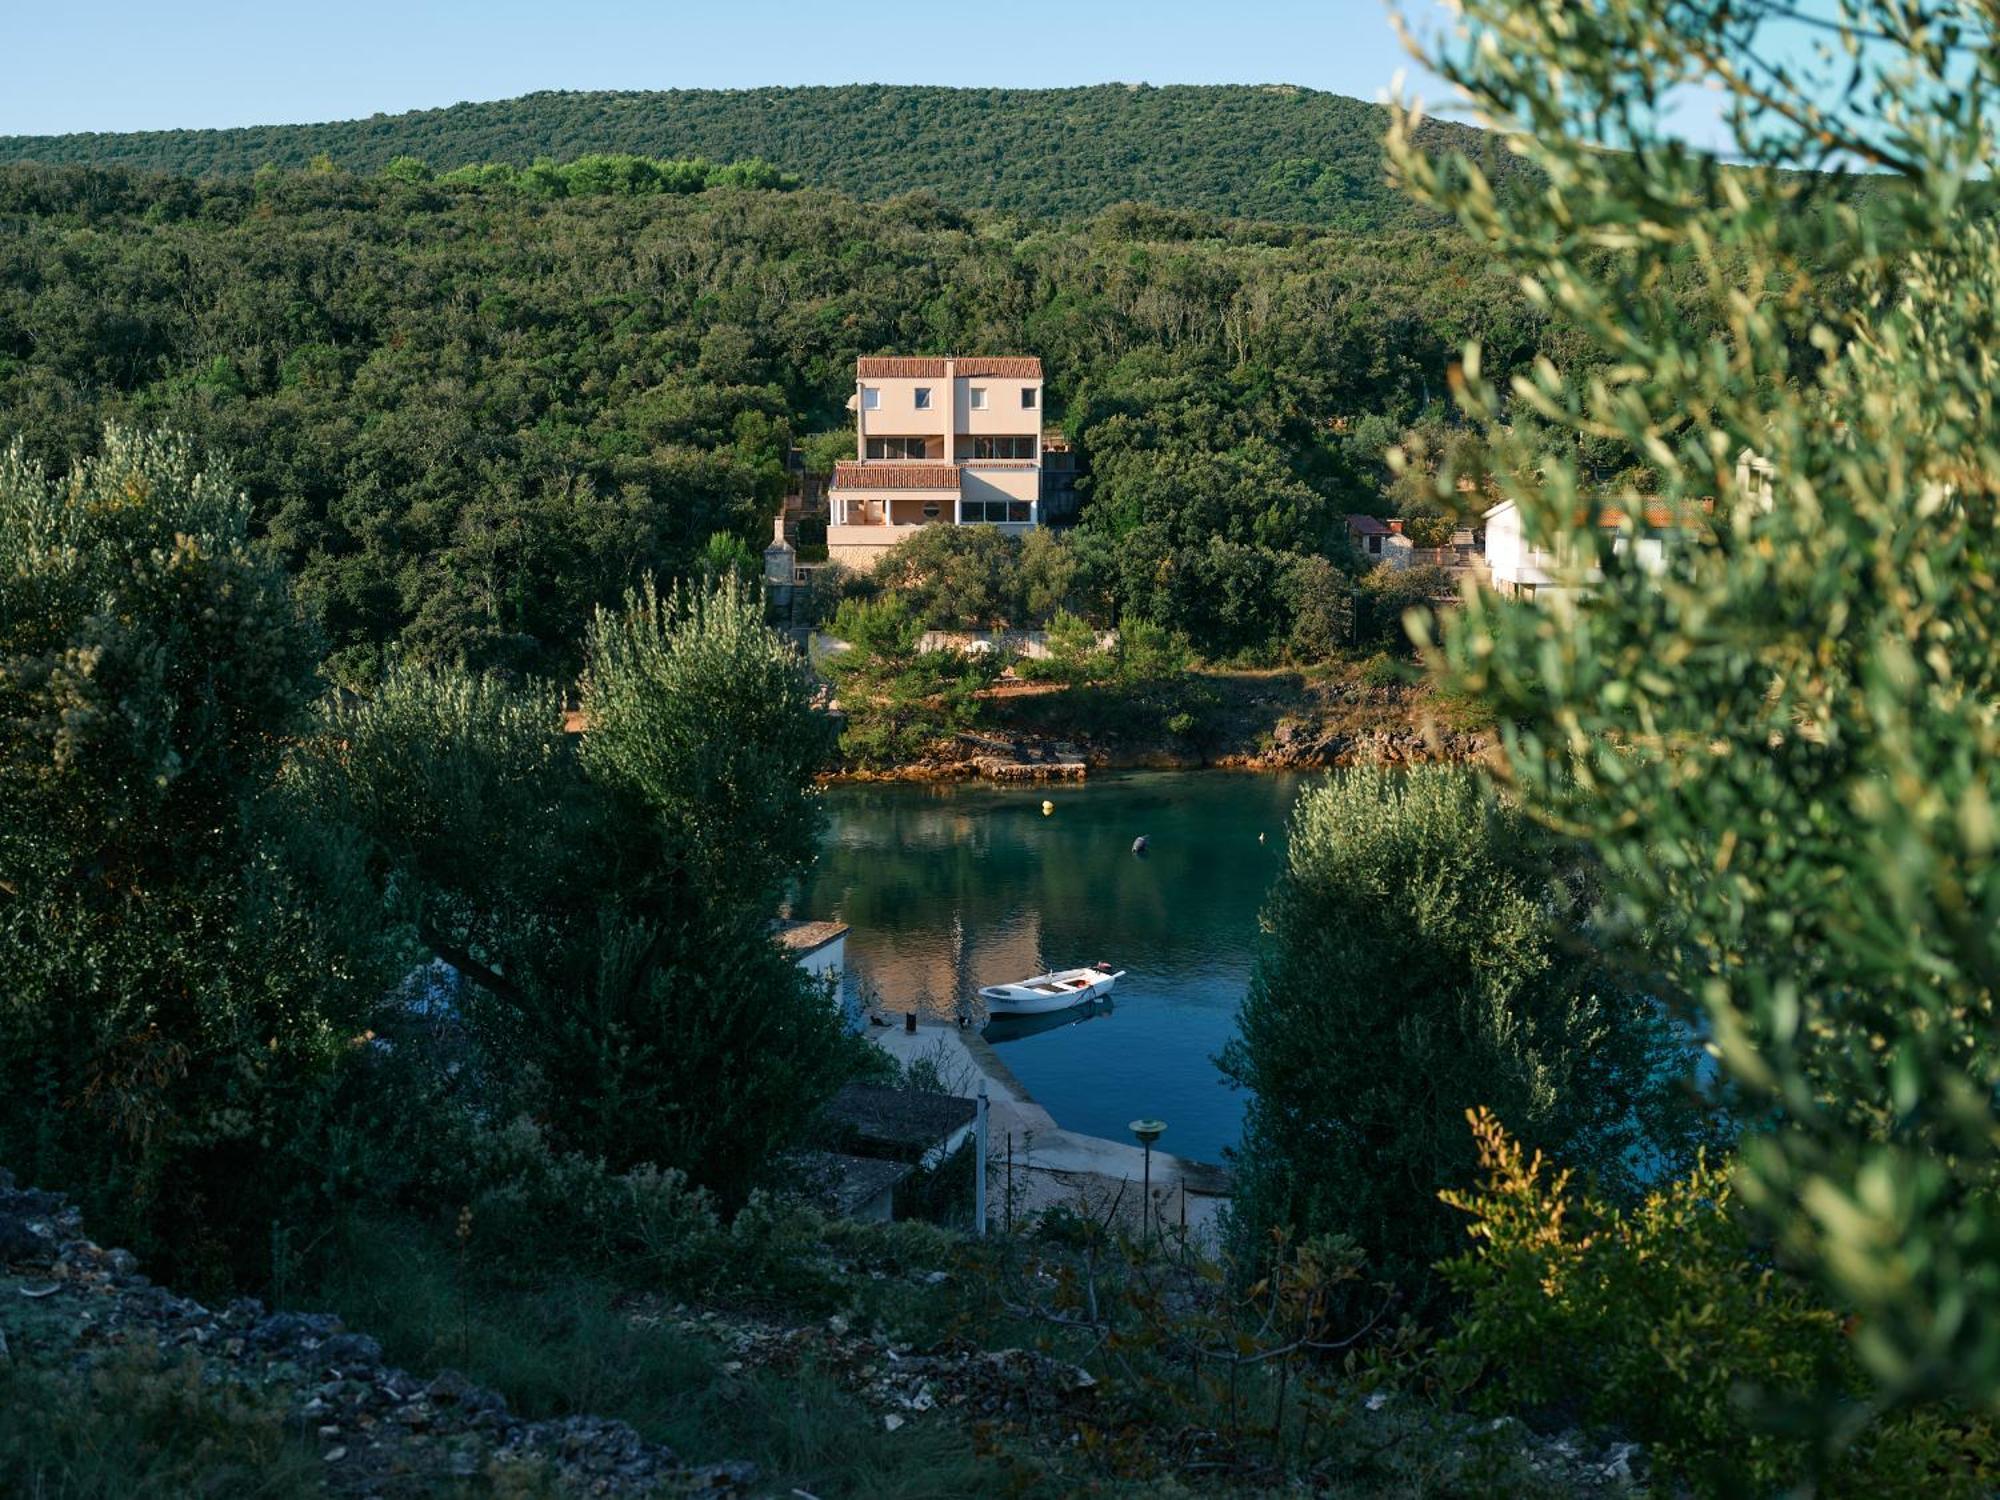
(948,888)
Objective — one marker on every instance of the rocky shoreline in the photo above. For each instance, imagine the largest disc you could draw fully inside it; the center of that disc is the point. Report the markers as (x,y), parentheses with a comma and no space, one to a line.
(1295,745)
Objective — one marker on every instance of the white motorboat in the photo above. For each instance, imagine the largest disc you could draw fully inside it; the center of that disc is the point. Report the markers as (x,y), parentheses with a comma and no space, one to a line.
(1047,992)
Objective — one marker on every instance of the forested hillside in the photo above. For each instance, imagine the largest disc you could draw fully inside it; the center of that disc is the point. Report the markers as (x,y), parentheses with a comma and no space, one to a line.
(466,414)
(1273,152)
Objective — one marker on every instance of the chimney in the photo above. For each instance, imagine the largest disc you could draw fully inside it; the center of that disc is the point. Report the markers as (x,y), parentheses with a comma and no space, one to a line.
(781,562)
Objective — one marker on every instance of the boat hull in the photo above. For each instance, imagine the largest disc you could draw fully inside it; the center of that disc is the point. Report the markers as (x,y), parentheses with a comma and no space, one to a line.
(1047,993)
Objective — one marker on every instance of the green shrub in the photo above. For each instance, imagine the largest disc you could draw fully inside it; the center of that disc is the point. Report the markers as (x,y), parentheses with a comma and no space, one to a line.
(530,1202)
(957,577)
(900,700)
(1149,653)
(1321,599)
(182,955)
(138,1424)
(407,169)
(1431,950)
(1384,669)
(1668,1322)
(1429,530)
(1074,654)
(1390,596)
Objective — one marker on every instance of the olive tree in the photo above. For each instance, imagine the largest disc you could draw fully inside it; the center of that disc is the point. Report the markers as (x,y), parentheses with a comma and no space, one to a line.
(185,955)
(1430,952)
(1785,744)
(607,889)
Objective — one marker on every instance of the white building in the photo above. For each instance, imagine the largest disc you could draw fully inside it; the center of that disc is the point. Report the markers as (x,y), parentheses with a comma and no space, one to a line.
(938,442)
(1520,568)
(820,948)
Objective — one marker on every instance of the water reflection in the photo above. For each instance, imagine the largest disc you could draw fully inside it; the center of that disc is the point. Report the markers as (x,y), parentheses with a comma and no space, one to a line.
(951,888)
(1004,1029)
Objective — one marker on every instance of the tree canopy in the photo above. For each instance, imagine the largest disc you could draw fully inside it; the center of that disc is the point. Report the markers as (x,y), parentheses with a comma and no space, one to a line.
(468,414)
(1068,153)
(1430,952)
(1784,747)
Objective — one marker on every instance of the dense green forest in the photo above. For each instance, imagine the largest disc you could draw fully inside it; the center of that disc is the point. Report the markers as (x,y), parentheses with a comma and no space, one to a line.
(1273,152)
(466,413)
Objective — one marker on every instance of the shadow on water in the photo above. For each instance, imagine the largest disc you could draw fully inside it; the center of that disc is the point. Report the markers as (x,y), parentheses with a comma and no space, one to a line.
(1004,1029)
(948,888)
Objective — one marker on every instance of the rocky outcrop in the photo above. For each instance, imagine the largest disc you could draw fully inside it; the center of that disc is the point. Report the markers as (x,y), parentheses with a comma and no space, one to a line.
(988,757)
(1297,745)
(380,1430)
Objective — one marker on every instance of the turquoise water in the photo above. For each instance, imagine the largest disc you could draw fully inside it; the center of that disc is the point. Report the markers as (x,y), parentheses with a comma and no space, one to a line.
(948,888)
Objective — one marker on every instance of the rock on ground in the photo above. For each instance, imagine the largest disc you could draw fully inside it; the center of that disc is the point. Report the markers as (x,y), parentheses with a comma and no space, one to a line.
(381,1431)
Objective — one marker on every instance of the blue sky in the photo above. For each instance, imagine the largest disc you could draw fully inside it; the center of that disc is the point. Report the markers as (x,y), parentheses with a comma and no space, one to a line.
(161,64)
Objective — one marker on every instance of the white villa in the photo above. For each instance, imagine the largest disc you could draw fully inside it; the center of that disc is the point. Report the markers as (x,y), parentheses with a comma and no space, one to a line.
(945,441)
(1522,570)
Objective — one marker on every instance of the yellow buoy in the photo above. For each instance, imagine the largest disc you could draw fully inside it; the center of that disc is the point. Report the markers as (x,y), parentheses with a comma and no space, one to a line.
(1047,807)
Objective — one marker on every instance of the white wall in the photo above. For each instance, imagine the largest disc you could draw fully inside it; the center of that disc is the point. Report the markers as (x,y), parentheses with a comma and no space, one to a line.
(829,960)
(1515,563)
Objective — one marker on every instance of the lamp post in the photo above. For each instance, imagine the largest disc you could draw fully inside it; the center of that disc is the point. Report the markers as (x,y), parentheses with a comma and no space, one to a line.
(1148,1131)
(979,1162)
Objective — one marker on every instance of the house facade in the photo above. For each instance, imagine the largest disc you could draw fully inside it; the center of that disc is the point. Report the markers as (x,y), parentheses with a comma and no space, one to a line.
(1519,568)
(947,441)
(820,948)
(1381,543)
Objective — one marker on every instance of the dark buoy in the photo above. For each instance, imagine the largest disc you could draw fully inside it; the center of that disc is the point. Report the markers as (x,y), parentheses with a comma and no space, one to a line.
(1139,844)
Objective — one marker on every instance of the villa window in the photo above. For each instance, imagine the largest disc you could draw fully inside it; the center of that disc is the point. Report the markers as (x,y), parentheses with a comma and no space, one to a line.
(978,398)
(871,398)
(1028,398)
(923,398)
(997,510)
(898,447)
(1003,446)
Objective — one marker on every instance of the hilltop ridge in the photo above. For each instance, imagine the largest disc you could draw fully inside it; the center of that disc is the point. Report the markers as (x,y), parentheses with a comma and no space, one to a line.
(1271,151)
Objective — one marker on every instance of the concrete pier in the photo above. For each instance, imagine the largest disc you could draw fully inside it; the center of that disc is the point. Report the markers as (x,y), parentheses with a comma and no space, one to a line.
(1054,1166)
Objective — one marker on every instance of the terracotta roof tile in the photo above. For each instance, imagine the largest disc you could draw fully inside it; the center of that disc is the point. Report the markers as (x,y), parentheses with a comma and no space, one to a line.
(910,367)
(1658,516)
(880,475)
(1366,526)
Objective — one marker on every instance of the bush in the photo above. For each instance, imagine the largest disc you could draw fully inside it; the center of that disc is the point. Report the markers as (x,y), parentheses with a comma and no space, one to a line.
(139,1424)
(1321,600)
(529,1203)
(1149,653)
(1429,951)
(1670,1323)
(957,577)
(900,700)
(1429,530)
(1075,657)
(622,979)
(182,955)
(1386,670)
(1388,595)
